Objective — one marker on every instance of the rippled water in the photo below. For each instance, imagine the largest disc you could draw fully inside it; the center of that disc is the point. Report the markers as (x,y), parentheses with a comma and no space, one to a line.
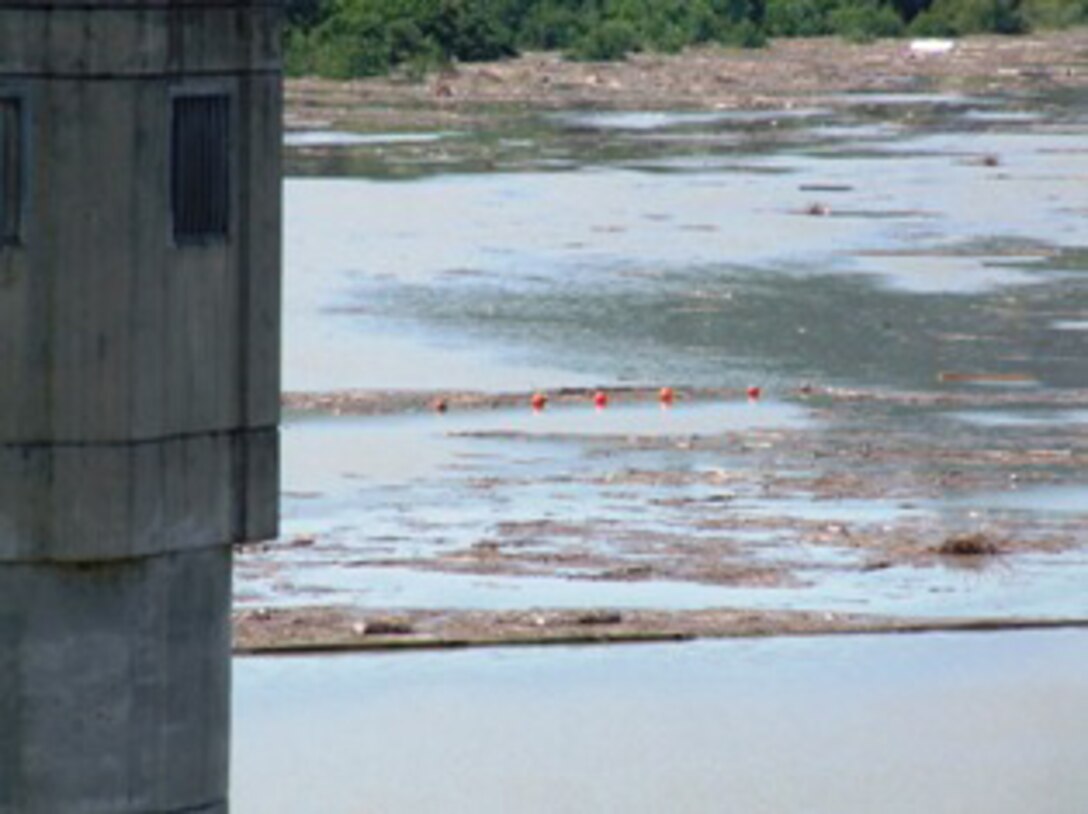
(702,273)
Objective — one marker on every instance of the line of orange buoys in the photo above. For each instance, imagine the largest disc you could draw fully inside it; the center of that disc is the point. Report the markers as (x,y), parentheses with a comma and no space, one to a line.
(667,397)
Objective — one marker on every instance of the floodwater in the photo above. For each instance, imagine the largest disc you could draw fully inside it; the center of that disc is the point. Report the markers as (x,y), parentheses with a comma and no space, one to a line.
(850,725)
(700,265)
(925,250)
(378,518)
(873,241)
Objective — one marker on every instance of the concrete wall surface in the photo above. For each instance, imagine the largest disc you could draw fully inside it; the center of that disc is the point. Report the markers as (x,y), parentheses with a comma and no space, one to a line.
(114,685)
(148,37)
(112,333)
(75,503)
(139,390)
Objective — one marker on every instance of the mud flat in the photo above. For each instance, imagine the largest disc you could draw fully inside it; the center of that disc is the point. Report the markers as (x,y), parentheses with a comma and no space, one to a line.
(331,630)
(855,492)
(392,402)
(789,73)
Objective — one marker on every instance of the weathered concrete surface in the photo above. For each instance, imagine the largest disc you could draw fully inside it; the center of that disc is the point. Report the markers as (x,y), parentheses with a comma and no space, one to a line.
(148,37)
(139,399)
(114,684)
(72,502)
(112,332)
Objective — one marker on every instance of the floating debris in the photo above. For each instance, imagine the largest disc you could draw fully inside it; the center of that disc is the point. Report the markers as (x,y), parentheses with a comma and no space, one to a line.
(968,545)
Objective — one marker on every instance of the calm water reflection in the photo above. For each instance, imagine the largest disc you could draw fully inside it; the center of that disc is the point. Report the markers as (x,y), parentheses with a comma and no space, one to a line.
(853,725)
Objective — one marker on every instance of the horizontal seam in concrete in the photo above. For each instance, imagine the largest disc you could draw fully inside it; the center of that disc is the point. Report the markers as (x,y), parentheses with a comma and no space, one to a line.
(99,561)
(141,5)
(180,74)
(215,805)
(135,442)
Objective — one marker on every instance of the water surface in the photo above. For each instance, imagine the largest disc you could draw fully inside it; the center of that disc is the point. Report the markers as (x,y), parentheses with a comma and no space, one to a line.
(884,245)
(851,725)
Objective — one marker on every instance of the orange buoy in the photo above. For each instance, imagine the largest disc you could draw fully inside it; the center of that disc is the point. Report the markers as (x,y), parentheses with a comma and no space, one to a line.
(539,401)
(754,393)
(667,395)
(600,399)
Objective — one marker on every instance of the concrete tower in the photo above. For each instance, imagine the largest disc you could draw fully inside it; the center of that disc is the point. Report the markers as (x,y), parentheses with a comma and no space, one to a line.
(139,388)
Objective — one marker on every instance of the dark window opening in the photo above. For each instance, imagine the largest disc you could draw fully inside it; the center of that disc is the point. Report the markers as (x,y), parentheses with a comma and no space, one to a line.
(200,167)
(11,170)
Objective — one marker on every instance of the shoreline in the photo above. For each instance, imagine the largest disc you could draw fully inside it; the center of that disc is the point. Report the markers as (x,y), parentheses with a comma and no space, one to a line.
(398,402)
(786,74)
(308,631)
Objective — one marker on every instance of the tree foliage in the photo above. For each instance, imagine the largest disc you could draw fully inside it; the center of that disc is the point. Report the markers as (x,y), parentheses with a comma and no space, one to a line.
(345,38)
(954,18)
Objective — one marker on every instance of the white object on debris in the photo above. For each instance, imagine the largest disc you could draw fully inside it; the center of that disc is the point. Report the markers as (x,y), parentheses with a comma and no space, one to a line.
(931,47)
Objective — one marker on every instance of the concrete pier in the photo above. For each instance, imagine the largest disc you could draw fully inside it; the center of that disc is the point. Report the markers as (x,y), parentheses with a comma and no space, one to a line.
(139,388)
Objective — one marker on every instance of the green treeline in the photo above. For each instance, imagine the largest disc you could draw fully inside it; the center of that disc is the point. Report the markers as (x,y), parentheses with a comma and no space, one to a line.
(346,38)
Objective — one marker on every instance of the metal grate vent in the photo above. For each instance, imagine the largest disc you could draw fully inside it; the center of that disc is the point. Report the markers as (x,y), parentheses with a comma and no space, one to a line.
(200,168)
(11,170)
